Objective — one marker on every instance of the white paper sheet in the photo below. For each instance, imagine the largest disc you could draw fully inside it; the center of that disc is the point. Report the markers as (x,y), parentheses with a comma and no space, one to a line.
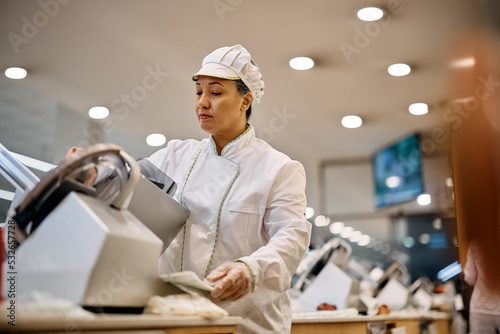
(188,282)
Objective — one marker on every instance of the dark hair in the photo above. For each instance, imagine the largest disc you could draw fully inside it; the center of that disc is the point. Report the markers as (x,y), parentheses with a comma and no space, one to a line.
(243,90)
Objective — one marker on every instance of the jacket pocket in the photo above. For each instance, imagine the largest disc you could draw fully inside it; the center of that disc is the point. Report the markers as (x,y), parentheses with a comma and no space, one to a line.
(246,207)
(247,226)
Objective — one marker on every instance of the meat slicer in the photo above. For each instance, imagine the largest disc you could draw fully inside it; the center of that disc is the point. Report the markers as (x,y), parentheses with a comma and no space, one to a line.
(320,270)
(92,230)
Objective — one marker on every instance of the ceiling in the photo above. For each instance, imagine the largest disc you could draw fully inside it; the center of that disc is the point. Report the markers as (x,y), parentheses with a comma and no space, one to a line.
(102,52)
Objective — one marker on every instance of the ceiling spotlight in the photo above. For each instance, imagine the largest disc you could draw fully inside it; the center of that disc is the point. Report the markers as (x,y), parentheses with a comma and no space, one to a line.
(346,232)
(301,63)
(320,221)
(351,121)
(409,242)
(393,181)
(376,274)
(364,240)
(464,62)
(424,238)
(98,112)
(16,73)
(449,182)
(309,212)
(370,14)
(399,70)
(424,199)
(418,109)
(336,227)
(385,249)
(437,223)
(156,139)
(355,236)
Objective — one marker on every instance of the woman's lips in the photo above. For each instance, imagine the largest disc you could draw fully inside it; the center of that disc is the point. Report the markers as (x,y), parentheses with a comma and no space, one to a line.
(204,116)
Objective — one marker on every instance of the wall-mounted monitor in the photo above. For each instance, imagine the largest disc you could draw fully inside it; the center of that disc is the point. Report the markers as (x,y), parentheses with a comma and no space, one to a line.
(397,172)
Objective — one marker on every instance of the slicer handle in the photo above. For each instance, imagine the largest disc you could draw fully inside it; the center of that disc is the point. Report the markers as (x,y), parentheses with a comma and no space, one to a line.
(123,199)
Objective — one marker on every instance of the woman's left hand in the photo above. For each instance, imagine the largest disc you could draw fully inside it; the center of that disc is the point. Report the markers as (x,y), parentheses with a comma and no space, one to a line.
(234,282)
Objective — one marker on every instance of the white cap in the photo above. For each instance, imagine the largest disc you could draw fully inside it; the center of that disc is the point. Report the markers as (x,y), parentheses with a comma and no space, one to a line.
(233,63)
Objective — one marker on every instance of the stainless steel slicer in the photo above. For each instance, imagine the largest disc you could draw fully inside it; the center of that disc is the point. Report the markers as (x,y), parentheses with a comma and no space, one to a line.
(89,244)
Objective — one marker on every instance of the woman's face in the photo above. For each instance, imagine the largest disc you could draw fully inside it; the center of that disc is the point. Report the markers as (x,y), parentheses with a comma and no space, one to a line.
(219,107)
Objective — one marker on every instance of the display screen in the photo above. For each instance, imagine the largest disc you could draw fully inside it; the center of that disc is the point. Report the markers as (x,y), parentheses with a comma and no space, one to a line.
(397,171)
(450,271)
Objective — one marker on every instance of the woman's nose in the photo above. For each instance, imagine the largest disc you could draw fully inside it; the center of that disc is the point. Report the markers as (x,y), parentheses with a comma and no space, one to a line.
(203,101)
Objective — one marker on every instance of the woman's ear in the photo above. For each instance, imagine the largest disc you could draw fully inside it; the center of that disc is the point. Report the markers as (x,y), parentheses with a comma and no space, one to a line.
(247,100)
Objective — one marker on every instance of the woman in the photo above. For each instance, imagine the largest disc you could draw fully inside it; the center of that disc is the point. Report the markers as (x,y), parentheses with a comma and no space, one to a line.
(485,300)
(247,230)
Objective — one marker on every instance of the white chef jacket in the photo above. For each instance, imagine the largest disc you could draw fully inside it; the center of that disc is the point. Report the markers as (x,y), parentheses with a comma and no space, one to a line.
(483,301)
(247,204)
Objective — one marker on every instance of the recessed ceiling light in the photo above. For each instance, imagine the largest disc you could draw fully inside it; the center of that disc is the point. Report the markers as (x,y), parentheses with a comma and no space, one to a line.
(393,181)
(16,73)
(378,245)
(364,240)
(156,139)
(418,109)
(449,182)
(346,232)
(437,223)
(309,212)
(355,236)
(409,242)
(464,62)
(336,227)
(351,121)
(376,274)
(301,63)
(424,238)
(424,199)
(399,70)
(386,249)
(321,221)
(98,112)
(370,14)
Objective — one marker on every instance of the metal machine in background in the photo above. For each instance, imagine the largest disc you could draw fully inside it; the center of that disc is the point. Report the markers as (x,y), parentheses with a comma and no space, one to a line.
(330,275)
(335,251)
(420,293)
(93,231)
(391,289)
(322,278)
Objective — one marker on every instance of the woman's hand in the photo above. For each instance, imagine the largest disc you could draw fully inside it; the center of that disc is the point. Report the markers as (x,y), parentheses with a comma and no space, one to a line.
(72,151)
(91,173)
(234,282)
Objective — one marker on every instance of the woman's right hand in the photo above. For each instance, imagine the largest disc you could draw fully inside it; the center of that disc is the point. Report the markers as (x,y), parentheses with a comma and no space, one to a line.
(91,174)
(73,150)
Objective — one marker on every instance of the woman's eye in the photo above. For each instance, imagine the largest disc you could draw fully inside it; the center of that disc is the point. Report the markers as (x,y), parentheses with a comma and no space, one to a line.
(198,93)
(214,93)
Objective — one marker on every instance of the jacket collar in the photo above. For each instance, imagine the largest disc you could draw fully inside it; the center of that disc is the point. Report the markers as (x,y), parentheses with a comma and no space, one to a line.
(236,145)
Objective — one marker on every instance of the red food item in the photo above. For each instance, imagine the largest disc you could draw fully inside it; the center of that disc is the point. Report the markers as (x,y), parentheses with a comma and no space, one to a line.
(440,289)
(383,310)
(326,307)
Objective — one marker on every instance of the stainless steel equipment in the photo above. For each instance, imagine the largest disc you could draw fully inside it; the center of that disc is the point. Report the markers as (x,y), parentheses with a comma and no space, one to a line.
(90,250)
(323,277)
(15,172)
(335,251)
